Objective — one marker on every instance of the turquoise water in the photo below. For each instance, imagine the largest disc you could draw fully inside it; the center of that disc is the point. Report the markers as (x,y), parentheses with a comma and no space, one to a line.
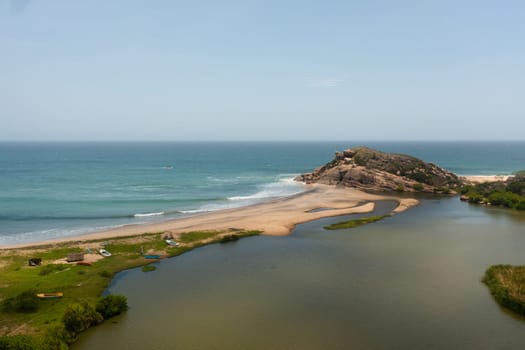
(50,190)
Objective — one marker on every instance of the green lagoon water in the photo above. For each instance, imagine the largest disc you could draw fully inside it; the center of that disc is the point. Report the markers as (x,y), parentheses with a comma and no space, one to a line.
(411,281)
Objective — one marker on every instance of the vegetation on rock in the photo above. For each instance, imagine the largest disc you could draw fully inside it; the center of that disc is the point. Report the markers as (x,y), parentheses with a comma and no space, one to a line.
(508,194)
(369,169)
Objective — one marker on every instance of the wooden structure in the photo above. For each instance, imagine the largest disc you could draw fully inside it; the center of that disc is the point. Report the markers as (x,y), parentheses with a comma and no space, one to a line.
(72,257)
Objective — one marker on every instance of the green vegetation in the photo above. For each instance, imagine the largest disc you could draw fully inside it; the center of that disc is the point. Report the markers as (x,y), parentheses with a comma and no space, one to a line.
(418,187)
(112,305)
(229,238)
(510,194)
(24,302)
(148,268)
(19,342)
(354,223)
(27,322)
(80,316)
(194,236)
(507,285)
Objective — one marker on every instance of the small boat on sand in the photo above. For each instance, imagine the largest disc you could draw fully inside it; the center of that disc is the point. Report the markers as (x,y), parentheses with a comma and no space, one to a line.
(83,263)
(50,295)
(172,242)
(104,252)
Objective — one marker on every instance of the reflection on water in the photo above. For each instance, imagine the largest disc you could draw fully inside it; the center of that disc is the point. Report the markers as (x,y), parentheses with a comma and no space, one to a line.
(407,282)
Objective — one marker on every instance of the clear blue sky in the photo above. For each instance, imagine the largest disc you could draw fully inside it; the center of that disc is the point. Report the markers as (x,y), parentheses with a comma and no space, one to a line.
(262,70)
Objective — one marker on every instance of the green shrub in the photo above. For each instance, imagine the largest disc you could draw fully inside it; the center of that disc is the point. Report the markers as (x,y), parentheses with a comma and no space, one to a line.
(400,188)
(505,199)
(474,197)
(56,338)
(418,187)
(517,187)
(80,316)
(521,205)
(24,302)
(46,269)
(505,284)
(148,268)
(105,274)
(112,305)
(229,238)
(354,223)
(18,342)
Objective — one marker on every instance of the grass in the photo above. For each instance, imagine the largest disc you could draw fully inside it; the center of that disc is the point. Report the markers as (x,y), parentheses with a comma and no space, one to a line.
(507,285)
(354,223)
(79,283)
(194,236)
(148,268)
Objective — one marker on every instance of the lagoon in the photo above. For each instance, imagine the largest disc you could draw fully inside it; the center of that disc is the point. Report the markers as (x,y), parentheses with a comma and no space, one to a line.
(411,281)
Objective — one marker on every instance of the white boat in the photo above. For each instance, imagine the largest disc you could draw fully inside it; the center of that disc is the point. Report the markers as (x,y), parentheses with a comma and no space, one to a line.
(104,252)
(172,242)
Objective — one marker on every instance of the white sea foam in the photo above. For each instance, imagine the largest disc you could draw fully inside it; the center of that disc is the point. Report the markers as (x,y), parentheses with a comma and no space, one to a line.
(282,188)
(285,186)
(43,235)
(139,215)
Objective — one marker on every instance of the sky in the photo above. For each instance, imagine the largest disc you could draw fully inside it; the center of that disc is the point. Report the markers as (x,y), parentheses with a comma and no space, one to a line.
(262,70)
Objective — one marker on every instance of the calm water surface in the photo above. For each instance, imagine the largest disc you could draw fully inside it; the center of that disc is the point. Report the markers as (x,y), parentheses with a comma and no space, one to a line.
(408,282)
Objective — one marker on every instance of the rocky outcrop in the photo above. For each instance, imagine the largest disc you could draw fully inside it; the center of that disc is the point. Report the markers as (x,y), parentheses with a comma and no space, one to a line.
(372,170)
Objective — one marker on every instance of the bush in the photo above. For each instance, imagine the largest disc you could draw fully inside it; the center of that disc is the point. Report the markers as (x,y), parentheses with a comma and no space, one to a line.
(418,187)
(229,238)
(504,283)
(24,302)
(46,270)
(517,186)
(79,317)
(112,305)
(18,342)
(56,338)
(400,188)
(105,274)
(148,268)
(474,197)
(521,205)
(505,199)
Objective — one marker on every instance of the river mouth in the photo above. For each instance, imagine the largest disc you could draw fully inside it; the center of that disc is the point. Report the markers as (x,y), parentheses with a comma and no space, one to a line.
(408,281)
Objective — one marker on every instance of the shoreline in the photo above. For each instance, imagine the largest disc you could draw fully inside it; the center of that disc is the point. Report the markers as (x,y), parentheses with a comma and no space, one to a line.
(276,217)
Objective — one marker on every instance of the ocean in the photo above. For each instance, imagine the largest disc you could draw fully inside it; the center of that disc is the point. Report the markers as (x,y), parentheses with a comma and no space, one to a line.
(54,189)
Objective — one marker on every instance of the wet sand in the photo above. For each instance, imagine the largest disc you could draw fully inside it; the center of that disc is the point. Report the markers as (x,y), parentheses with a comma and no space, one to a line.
(276,218)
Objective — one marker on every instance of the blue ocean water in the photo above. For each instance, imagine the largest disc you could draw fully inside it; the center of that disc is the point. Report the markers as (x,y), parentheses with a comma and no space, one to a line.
(50,190)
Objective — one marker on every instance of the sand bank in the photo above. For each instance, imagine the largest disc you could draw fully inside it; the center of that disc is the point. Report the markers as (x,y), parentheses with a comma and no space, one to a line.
(485,178)
(277,217)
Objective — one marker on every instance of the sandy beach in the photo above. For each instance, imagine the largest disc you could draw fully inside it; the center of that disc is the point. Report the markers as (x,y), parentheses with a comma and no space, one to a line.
(485,178)
(277,217)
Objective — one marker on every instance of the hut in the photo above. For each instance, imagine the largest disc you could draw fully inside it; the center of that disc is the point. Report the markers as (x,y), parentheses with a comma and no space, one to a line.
(72,257)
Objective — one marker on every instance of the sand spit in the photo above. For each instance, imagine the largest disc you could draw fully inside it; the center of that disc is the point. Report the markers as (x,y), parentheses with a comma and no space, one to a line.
(277,217)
